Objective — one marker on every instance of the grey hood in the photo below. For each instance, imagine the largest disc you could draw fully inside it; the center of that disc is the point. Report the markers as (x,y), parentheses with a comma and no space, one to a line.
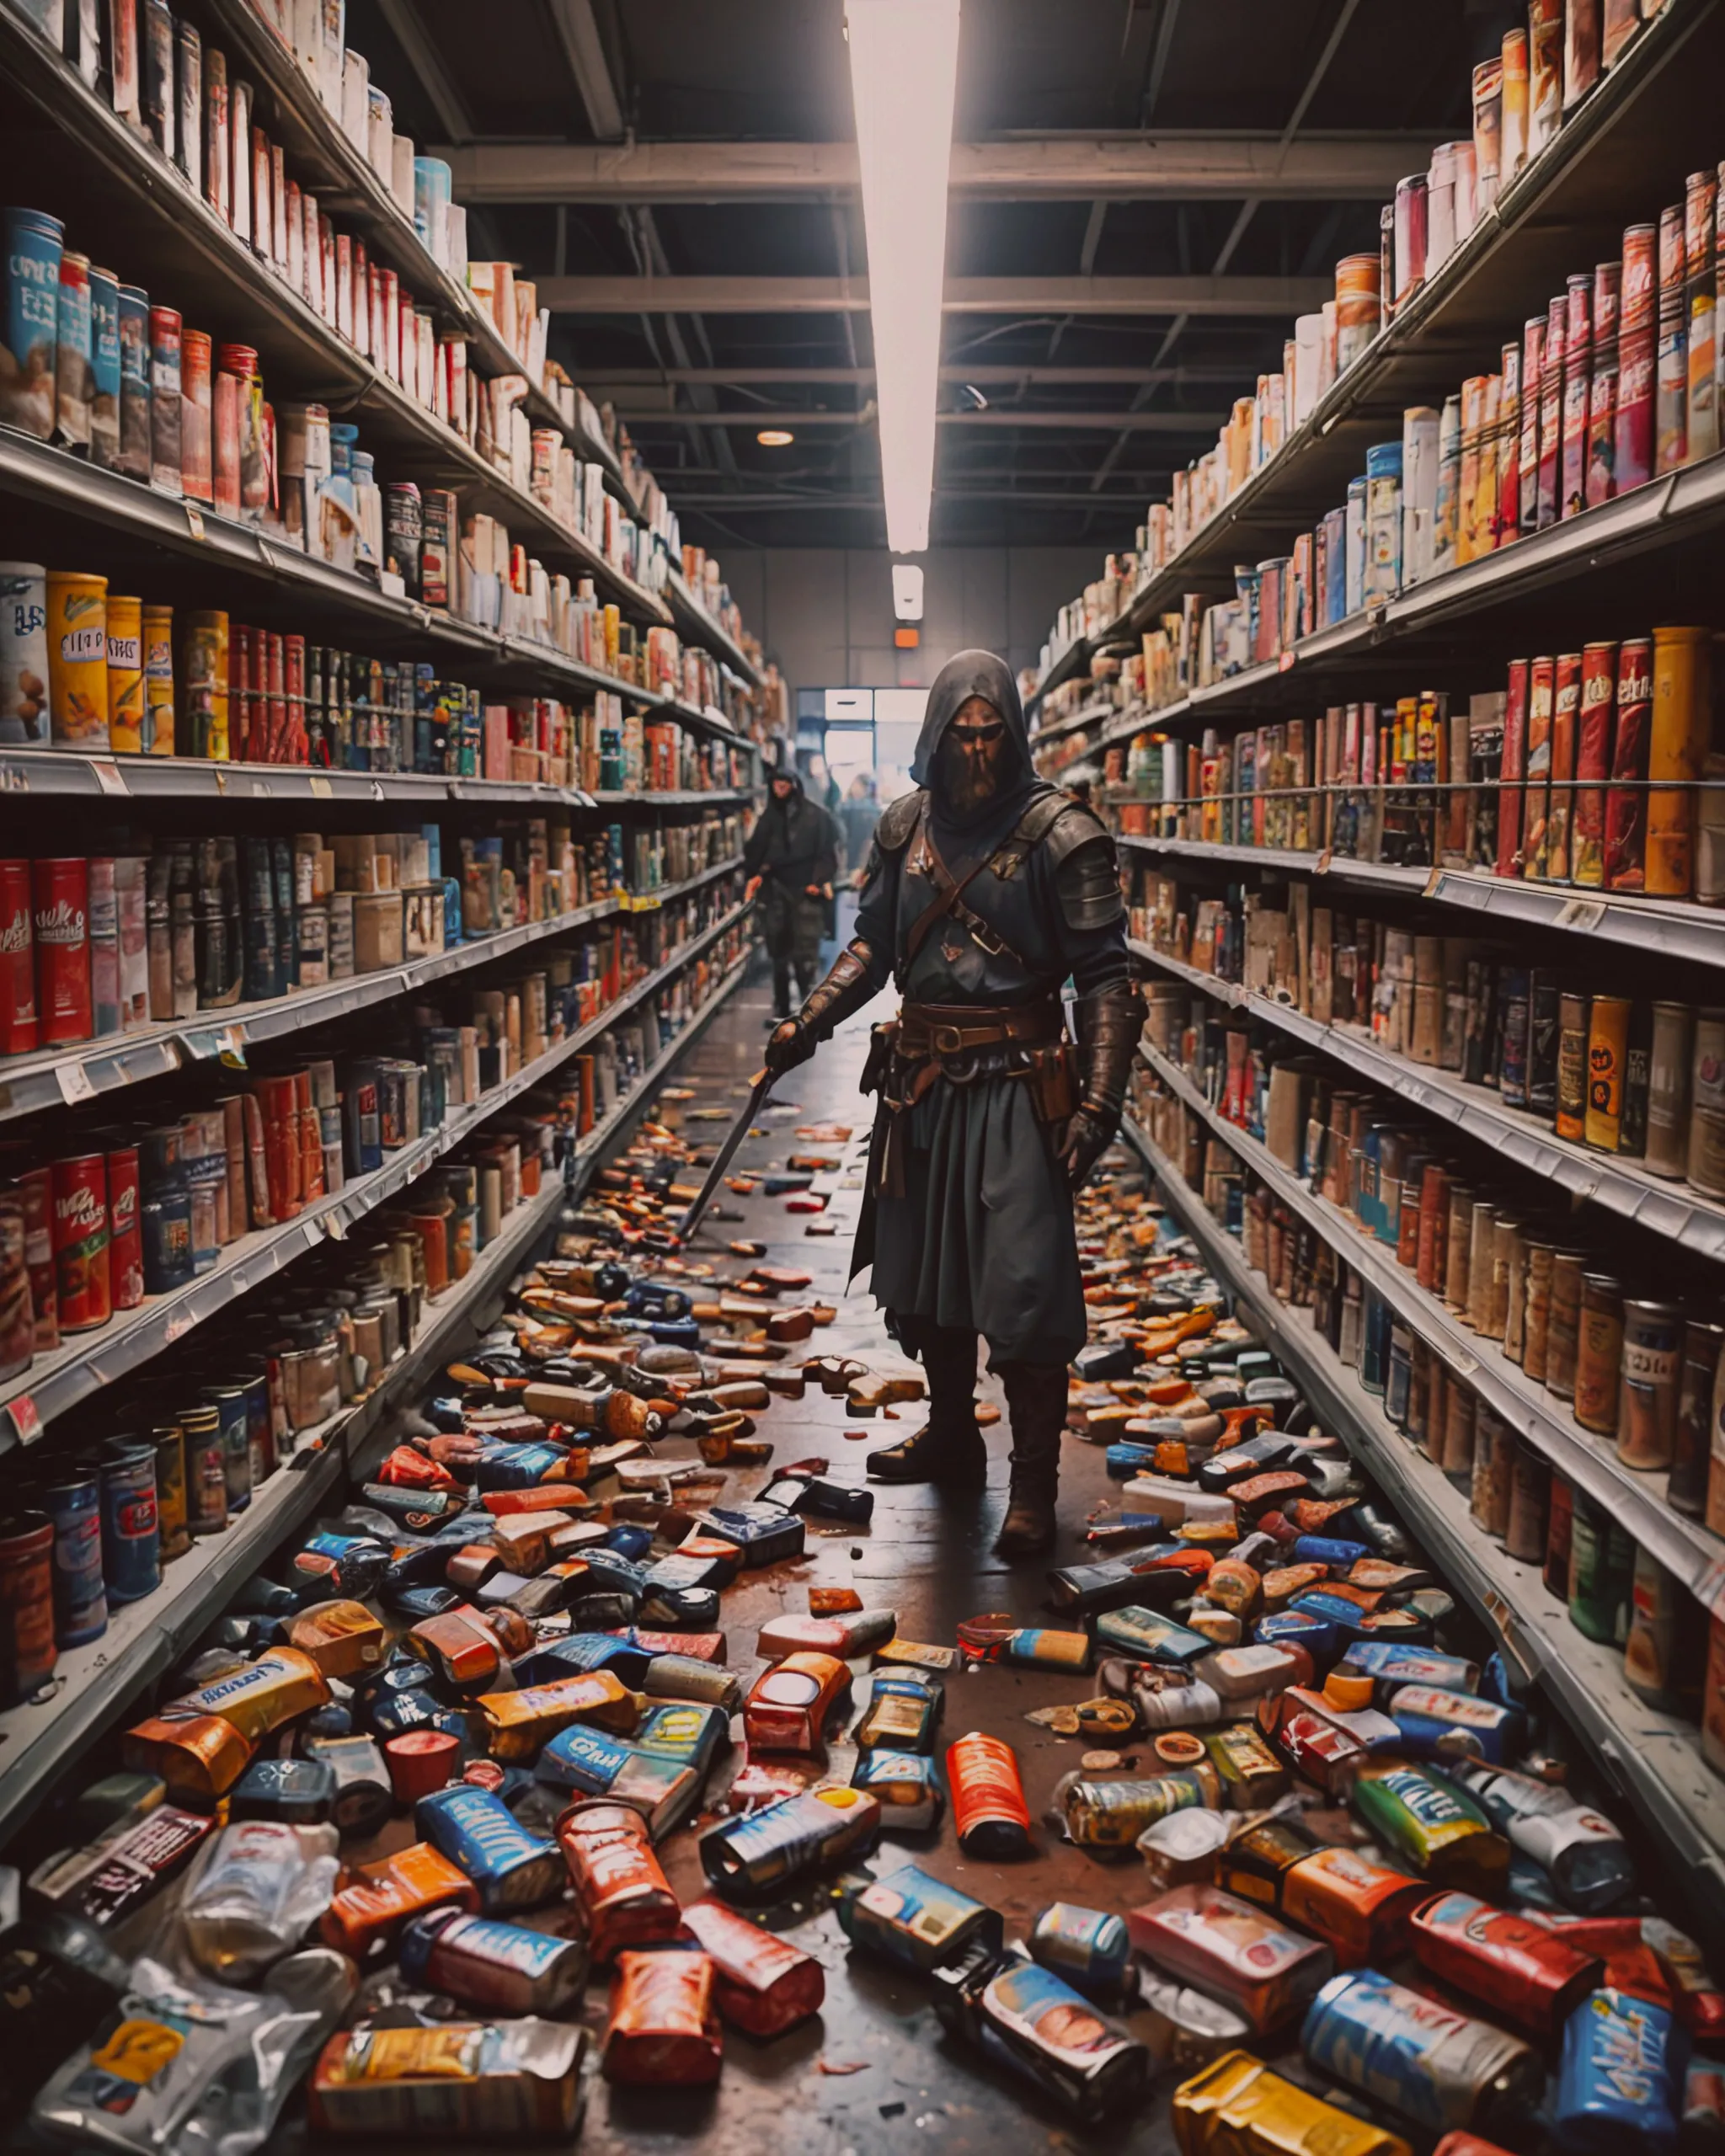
(976,674)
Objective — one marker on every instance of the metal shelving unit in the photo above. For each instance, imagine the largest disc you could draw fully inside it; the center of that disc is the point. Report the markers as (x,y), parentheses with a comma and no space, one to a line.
(1673,928)
(1669,1210)
(1653,1760)
(93,1686)
(153,212)
(1682,1545)
(29,1084)
(86,1362)
(1649,121)
(698,626)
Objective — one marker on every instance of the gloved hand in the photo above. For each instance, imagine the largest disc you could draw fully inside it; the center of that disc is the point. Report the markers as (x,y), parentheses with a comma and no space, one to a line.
(1088,1136)
(788,1045)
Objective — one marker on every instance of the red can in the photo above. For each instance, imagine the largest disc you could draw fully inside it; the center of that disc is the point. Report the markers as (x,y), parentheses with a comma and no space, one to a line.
(297,750)
(663,2028)
(17,961)
(1638,307)
(274,749)
(126,1242)
(27,1653)
(761,1983)
(1566,713)
(81,1293)
(1549,505)
(989,1811)
(1541,691)
(1519,1969)
(1626,806)
(225,401)
(1533,352)
(1513,770)
(195,467)
(1592,763)
(61,889)
(620,1888)
(37,1184)
(1637,341)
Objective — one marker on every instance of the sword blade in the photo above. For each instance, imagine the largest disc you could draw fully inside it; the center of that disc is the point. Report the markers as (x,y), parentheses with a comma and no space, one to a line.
(721,1160)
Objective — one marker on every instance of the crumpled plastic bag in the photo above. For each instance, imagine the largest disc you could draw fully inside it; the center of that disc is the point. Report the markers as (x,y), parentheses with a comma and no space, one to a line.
(253,1891)
(184,2067)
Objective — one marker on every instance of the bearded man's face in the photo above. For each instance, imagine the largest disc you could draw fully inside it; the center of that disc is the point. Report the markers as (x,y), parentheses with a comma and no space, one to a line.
(973,755)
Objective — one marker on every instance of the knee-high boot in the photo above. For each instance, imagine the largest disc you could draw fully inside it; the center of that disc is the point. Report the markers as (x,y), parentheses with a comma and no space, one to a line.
(1036,1403)
(949,1449)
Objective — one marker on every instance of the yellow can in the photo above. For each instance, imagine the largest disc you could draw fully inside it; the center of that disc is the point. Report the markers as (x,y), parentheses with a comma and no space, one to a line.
(77,658)
(1682,719)
(157,739)
(206,687)
(1607,1055)
(125,675)
(1237,2107)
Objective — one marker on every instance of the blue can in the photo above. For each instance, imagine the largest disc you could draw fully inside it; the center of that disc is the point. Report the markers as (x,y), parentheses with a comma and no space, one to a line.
(229,1401)
(34,244)
(74,1504)
(512,1868)
(1089,1948)
(72,372)
(1622,2064)
(104,368)
(131,1552)
(133,458)
(1445,2071)
(1328,1550)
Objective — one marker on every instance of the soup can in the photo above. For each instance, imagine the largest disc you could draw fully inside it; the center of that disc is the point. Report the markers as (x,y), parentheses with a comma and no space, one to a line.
(206,692)
(157,735)
(132,456)
(73,1502)
(24,661)
(131,1548)
(1599,1360)
(1607,1052)
(1529,1499)
(1627,805)
(171,1515)
(196,418)
(125,1247)
(74,374)
(1682,716)
(231,1408)
(27,1648)
(104,369)
(206,1470)
(1706,1157)
(1670,1065)
(78,658)
(1653,1369)
(1563,1322)
(82,1293)
(1573,1044)
(164,400)
(34,245)
(125,674)
(1686,1490)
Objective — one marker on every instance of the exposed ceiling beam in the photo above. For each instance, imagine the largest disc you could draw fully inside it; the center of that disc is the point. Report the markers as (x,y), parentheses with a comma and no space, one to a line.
(421,55)
(1029,496)
(1281,297)
(578,34)
(986,377)
(1030,167)
(1155,423)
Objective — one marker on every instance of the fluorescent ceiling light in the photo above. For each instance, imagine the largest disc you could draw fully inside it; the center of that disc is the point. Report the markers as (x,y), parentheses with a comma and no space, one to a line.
(904,72)
(775,437)
(907,591)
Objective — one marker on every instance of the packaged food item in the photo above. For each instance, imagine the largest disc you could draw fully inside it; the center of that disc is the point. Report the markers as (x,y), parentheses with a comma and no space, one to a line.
(662,1787)
(512,1868)
(380,1899)
(903,1712)
(751,1856)
(178,2053)
(1453,1725)
(253,1891)
(989,1811)
(1580,1850)
(1091,1948)
(1024,2016)
(1529,1975)
(1181,1846)
(517,1724)
(912,1918)
(279,1687)
(342,1638)
(906,1787)
(1439,2069)
(664,2025)
(1433,1824)
(112,1876)
(1358,1908)
(1233,1951)
(458,2078)
(859,1633)
(199,1757)
(624,1896)
(788,1704)
(483,1961)
(760,1982)
(1237,2104)
(1616,2075)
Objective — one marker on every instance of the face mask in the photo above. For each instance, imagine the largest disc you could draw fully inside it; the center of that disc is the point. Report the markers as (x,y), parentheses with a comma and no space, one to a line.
(971,762)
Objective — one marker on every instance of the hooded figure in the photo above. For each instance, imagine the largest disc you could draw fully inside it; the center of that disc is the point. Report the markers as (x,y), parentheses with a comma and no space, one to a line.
(985,891)
(792,857)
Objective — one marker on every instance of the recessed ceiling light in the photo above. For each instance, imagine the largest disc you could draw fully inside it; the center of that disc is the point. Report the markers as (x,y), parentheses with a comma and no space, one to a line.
(775,437)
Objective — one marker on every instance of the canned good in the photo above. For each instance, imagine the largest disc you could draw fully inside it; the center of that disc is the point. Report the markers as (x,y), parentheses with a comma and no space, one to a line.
(131,1562)
(25,715)
(132,455)
(1530,1487)
(74,370)
(172,1520)
(761,1983)
(164,400)
(1440,2068)
(1657,1617)
(1598,1353)
(73,1502)
(78,658)
(1025,2016)
(83,1299)
(989,1811)
(26,1649)
(205,1470)
(1678,741)
(1687,1490)
(486,1962)
(1652,1352)
(1573,1061)
(1705,1163)
(34,247)
(1607,1048)
(1671,1064)
(1237,2105)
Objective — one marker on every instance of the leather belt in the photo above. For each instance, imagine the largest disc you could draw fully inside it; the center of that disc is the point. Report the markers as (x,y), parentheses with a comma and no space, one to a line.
(943,1029)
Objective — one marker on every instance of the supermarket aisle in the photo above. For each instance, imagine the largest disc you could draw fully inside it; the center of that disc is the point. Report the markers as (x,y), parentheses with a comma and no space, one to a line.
(874,2072)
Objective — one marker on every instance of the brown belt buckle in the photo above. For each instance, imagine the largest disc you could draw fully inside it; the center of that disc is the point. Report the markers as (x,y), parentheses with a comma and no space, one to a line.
(947,1040)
